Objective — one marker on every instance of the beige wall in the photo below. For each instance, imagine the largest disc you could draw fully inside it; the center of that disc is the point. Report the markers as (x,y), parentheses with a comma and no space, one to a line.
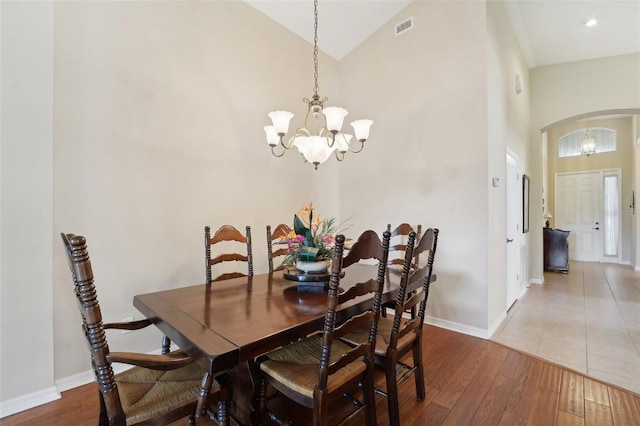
(508,117)
(428,160)
(158,132)
(26,193)
(622,158)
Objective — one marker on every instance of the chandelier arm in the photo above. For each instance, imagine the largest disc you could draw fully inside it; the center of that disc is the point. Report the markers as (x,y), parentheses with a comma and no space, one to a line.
(361,147)
(273,151)
(331,140)
(339,155)
(289,144)
(301,131)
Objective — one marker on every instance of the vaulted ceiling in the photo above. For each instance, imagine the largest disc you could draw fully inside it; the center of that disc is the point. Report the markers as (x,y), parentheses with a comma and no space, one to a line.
(549,32)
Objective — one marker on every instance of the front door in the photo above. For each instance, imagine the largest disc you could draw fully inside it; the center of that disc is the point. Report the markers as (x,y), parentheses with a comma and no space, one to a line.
(579,210)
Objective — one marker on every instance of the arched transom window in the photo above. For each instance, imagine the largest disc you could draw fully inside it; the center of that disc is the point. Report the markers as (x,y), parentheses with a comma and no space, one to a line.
(570,144)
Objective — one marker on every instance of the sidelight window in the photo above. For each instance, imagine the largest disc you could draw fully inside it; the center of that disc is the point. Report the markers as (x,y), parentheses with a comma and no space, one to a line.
(611,215)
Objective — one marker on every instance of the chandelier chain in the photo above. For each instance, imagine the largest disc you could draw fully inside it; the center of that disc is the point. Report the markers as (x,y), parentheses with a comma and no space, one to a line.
(315,46)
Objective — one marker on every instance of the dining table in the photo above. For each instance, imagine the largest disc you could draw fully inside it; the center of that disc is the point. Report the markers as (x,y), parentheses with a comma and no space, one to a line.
(225,325)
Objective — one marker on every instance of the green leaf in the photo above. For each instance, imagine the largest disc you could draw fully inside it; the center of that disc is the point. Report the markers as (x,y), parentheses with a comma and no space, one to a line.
(298,226)
(308,254)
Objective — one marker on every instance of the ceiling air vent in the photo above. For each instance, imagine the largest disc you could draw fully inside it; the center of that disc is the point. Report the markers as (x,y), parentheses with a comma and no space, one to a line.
(404,26)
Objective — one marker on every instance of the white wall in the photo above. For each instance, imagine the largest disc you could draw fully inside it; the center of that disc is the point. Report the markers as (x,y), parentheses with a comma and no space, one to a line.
(562,91)
(26,192)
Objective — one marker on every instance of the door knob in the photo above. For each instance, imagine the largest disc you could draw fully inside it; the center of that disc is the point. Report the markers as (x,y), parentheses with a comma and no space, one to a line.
(596,228)
(509,240)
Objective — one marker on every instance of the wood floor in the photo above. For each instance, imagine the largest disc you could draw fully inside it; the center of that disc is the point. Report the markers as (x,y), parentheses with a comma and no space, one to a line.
(469,381)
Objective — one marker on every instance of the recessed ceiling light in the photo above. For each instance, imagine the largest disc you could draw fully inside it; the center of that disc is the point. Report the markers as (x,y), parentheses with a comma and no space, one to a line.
(592,22)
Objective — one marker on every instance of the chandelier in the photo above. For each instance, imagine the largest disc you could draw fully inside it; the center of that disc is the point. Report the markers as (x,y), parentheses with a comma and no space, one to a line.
(588,143)
(316,147)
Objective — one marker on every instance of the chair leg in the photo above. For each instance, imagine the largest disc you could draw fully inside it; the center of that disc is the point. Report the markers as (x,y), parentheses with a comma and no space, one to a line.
(166,345)
(392,391)
(320,409)
(103,420)
(224,380)
(369,395)
(419,373)
(203,400)
(262,401)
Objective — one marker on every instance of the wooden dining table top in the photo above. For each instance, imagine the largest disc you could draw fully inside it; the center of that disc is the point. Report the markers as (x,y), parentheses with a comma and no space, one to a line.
(227,322)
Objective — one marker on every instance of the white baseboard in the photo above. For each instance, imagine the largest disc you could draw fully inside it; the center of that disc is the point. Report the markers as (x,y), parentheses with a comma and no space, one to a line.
(496,324)
(523,290)
(536,281)
(31,400)
(75,380)
(454,326)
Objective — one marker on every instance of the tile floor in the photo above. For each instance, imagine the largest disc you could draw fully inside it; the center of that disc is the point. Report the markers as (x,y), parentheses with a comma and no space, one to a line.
(587,320)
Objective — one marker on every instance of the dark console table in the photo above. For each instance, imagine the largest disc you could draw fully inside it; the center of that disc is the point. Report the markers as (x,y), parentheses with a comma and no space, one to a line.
(556,250)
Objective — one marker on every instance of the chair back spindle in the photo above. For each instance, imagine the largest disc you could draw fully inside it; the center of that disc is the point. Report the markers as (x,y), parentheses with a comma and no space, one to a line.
(277,239)
(227,233)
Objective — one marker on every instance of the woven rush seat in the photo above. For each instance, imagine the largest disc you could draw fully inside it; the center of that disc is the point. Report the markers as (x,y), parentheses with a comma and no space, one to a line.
(296,365)
(383,336)
(146,394)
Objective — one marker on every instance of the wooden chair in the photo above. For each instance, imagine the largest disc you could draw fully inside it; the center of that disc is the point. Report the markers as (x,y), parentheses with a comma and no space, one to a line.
(319,369)
(397,248)
(227,233)
(159,389)
(278,238)
(399,336)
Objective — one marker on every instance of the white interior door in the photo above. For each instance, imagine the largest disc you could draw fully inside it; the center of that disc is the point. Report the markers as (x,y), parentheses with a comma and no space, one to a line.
(512,220)
(579,210)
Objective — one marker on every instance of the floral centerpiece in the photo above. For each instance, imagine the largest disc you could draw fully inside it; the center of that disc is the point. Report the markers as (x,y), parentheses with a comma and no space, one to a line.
(311,244)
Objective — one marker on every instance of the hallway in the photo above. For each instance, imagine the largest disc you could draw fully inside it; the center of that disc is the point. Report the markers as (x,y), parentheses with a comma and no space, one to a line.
(587,320)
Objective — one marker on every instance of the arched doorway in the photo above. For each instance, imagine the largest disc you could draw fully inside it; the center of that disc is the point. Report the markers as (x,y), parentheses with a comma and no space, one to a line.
(626,123)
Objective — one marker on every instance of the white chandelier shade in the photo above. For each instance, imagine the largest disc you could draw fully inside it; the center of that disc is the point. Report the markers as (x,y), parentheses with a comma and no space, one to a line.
(314,148)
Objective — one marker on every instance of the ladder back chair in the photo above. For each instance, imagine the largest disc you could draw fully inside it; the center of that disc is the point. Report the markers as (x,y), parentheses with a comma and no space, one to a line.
(399,244)
(159,389)
(279,239)
(398,336)
(319,369)
(397,248)
(227,233)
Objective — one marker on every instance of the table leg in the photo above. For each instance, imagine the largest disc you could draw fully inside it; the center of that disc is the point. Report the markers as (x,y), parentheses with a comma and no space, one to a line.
(244,393)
